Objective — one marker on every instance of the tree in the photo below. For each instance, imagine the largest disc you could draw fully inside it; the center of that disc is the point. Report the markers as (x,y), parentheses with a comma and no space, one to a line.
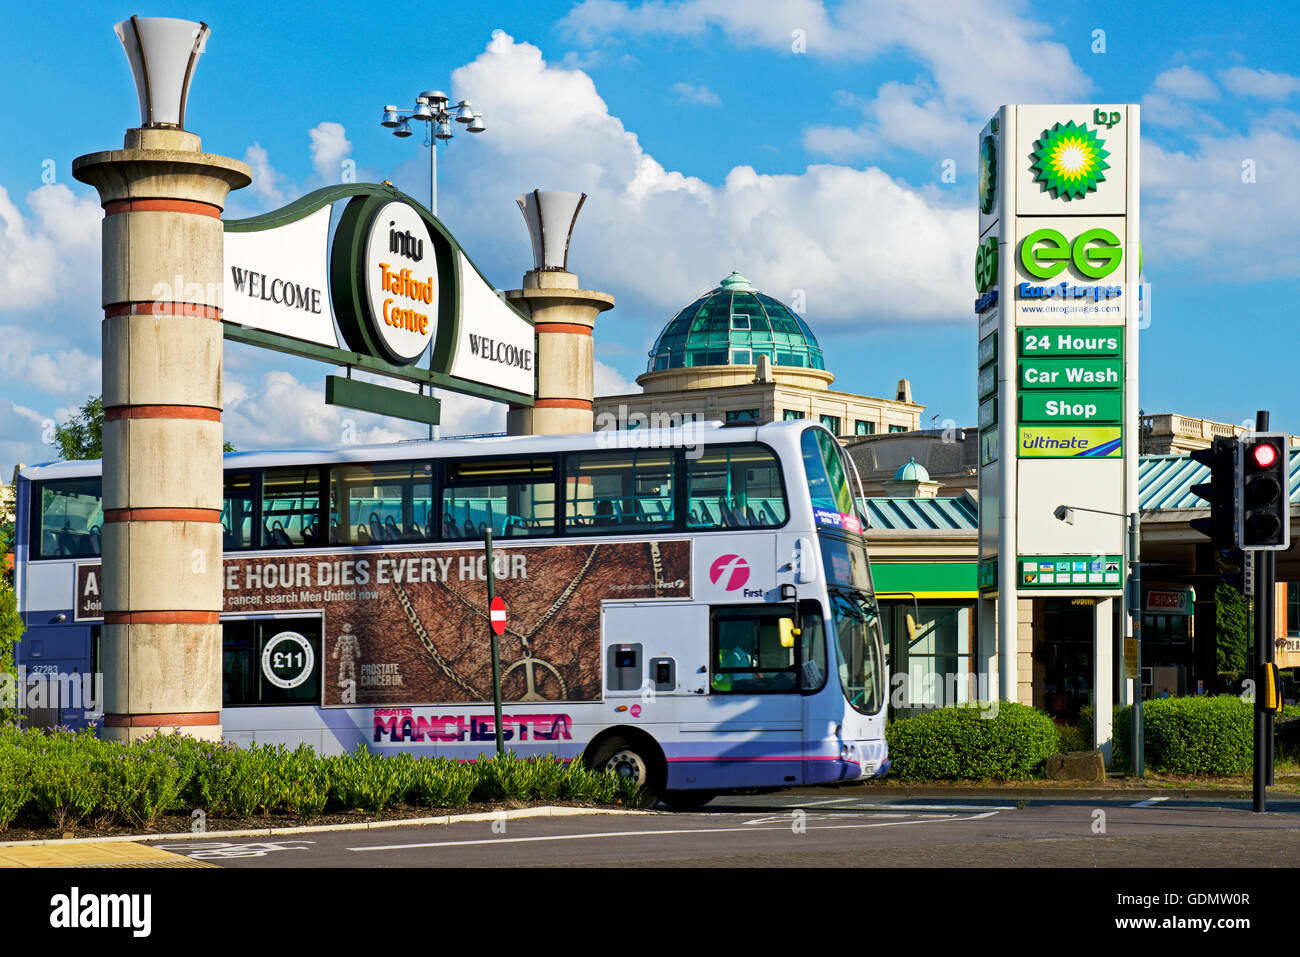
(1230,629)
(82,436)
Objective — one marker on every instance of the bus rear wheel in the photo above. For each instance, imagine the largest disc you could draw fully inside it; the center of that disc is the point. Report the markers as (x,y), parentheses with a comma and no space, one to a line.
(630,761)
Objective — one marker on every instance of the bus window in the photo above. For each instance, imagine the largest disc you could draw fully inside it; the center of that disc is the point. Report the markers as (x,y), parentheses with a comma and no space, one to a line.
(237,512)
(291,508)
(383,502)
(857,632)
(513,497)
(610,491)
(734,486)
(747,653)
(71,519)
(828,484)
(274,661)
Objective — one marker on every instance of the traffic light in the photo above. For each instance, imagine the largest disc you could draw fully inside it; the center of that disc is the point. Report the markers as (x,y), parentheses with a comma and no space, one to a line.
(1264,516)
(1219,491)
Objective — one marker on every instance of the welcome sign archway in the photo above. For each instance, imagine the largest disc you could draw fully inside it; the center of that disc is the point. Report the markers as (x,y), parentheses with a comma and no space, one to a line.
(364,276)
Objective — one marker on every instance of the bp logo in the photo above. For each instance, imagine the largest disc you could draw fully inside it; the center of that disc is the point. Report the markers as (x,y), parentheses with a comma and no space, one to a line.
(986,264)
(988,174)
(1069,161)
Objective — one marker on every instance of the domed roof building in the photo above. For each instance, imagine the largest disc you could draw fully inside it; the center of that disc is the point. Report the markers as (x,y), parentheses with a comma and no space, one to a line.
(737,353)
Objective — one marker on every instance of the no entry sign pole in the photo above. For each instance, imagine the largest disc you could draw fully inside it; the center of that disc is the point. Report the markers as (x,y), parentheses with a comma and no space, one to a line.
(497,620)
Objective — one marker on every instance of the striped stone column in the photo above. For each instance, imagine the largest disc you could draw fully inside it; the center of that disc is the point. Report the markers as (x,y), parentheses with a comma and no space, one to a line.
(563,317)
(160,648)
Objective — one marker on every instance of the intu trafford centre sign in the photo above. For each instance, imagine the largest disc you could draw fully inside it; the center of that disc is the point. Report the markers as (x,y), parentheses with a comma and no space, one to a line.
(365,277)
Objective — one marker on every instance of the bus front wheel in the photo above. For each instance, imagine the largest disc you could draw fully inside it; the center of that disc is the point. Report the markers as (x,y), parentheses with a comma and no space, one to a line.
(630,761)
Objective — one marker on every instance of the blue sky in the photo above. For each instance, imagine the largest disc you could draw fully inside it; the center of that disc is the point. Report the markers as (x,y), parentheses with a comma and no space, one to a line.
(706,143)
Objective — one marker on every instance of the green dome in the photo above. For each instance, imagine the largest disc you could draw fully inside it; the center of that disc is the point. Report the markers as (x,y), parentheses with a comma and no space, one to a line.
(909,471)
(733,325)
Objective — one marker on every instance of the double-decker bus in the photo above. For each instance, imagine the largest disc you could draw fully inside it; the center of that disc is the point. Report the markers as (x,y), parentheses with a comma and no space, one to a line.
(692,607)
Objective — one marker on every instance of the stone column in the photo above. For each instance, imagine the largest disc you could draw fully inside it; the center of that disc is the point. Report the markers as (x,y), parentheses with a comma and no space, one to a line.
(564,317)
(162,486)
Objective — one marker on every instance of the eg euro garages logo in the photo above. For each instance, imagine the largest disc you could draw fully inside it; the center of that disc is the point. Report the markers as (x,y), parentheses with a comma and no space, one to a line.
(1095,253)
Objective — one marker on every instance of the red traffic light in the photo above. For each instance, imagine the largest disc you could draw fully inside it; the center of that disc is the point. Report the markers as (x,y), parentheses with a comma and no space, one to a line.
(1264,454)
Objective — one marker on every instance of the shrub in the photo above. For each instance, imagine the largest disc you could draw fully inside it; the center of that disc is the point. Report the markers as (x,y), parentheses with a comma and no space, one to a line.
(230,782)
(145,779)
(304,781)
(1199,736)
(368,781)
(62,790)
(1011,743)
(15,779)
(440,782)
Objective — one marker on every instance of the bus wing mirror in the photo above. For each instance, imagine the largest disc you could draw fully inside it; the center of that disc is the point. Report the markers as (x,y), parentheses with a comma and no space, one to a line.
(788,632)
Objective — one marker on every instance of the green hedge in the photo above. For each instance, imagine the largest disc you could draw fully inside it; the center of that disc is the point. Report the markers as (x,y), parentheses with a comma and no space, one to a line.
(61,779)
(1002,741)
(1196,736)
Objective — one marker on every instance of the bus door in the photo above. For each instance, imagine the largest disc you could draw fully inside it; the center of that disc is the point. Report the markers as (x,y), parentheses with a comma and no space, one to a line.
(59,688)
(752,723)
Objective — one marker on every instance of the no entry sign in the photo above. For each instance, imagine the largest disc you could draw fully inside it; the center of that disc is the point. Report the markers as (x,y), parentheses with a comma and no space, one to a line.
(497,613)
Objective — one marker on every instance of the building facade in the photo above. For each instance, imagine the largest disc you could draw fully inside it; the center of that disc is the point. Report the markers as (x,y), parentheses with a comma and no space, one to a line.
(736,353)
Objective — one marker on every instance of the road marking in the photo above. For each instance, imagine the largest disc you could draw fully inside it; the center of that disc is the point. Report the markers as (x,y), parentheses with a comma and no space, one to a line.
(941,807)
(662,833)
(1149,802)
(785,818)
(220,850)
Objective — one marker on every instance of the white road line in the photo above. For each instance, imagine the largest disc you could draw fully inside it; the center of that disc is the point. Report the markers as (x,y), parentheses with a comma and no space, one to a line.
(1149,802)
(939,807)
(588,837)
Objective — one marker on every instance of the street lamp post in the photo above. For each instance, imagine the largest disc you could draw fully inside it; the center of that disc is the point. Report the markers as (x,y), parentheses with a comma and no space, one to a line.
(1132,599)
(431,109)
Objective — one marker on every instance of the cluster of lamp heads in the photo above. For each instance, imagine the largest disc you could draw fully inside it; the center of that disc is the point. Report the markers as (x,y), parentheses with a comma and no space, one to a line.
(431,106)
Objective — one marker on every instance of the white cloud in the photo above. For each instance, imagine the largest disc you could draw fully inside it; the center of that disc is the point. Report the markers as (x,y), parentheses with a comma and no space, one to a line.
(980,53)
(608,381)
(282,412)
(1222,202)
(688,93)
(22,431)
(330,146)
(31,359)
(1187,84)
(1264,84)
(59,246)
(868,247)
(266,178)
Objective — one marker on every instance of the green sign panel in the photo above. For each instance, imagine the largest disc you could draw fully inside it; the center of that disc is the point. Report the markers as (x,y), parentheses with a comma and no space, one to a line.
(988,446)
(988,412)
(988,349)
(1071,341)
(1071,373)
(1070,571)
(1072,407)
(988,573)
(988,381)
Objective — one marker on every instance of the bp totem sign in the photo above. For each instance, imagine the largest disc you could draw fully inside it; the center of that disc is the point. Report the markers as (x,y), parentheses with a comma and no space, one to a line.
(365,277)
(1056,276)
(1056,283)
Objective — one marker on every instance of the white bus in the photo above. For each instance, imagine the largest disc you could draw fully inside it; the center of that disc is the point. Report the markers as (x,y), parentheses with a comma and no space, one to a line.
(692,607)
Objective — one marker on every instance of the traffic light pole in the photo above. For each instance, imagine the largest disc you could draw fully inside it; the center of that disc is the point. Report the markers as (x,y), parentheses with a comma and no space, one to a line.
(1265,572)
